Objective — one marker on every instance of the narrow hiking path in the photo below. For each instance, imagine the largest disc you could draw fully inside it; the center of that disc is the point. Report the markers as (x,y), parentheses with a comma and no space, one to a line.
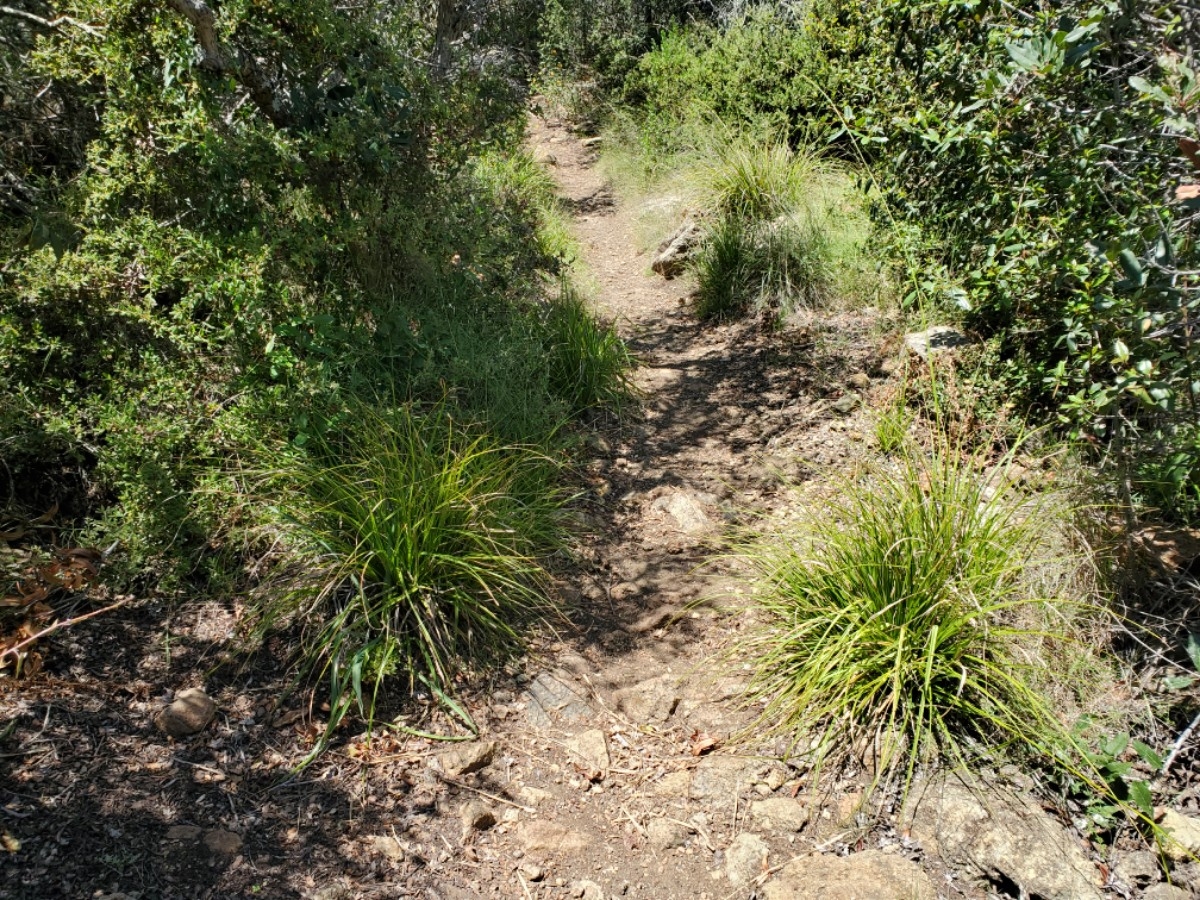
(606,768)
(610,768)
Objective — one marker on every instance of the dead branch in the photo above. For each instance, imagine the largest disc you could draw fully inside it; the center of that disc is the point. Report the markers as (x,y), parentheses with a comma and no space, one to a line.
(50,23)
(220,60)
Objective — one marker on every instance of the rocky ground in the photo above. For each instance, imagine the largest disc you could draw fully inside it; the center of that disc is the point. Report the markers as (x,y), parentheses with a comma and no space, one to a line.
(608,765)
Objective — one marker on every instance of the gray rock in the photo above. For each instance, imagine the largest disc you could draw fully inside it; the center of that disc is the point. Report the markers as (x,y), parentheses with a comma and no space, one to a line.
(675,251)
(870,875)
(189,713)
(999,833)
(590,752)
(549,698)
(587,890)
(477,816)
(1135,866)
(719,777)
(650,702)
(934,340)
(845,405)
(550,837)
(673,784)
(688,510)
(665,834)
(222,842)
(532,872)
(467,758)
(779,813)
(745,859)
(1166,892)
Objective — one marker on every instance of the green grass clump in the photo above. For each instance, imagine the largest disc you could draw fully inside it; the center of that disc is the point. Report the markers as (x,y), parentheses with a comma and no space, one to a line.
(589,363)
(899,611)
(420,540)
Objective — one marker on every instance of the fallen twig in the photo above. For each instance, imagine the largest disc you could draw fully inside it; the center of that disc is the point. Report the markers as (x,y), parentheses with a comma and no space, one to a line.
(1179,742)
(15,649)
(495,797)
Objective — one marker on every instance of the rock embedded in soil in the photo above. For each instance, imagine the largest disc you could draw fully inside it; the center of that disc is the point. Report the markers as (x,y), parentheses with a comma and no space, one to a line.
(673,784)
(387,846)
(935,339)
(550,837)
(1184,831)
(675,251)
(587,890)
(589,751)
(1166,892)
(467,758)
(689,510)
(1000,834)
(870,875)
(550,698)
(1135,866)
(222,842)
(720,777)
(779,814)
(189,713)
(477,816)
(665,834)
(745,859)
(649,702)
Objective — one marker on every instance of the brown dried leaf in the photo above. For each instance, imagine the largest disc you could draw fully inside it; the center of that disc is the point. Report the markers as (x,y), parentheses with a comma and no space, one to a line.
(8,842)
(1187,192)
(47,516)
(703,742)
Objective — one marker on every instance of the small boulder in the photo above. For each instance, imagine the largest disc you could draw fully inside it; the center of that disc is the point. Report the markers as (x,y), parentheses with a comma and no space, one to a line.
(1166,892)
(467,758)
(935,339)
(745,859)
(675,251)
(859,381)
(189,713)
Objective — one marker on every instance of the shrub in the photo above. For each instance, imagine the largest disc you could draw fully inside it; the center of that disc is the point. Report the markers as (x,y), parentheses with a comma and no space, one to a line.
(417,540)
(896,611)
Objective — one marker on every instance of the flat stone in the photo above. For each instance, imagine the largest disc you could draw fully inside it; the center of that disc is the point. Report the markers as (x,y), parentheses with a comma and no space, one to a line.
(688,510)
(1184,842)
(184,833)
(1001,834)
(665,834)
(870,875)
(467,758)
(189,713)
(779,814)
(589,750)
(1166,892)
(477,816)
(673,784)
(934,340)
(649,702)
(387,846)
(720,777)
(845,405)
(550,837)
(550,698)
(745,859)
(222,842)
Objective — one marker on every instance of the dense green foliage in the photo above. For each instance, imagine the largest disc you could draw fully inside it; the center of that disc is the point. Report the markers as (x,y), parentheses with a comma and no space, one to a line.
(271,237)
(1023,166)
